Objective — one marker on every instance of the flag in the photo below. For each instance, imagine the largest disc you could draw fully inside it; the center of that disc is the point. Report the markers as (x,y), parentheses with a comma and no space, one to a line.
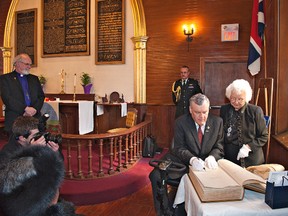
(256,37)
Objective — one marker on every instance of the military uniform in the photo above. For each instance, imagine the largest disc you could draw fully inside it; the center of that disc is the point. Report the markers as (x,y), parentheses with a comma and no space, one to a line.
(182,92)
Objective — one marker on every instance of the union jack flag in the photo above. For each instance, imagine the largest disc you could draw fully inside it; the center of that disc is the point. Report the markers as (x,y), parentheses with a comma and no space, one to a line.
(256,37)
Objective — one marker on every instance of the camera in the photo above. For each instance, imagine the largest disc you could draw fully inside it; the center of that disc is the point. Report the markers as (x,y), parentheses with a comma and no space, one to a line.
(57,138)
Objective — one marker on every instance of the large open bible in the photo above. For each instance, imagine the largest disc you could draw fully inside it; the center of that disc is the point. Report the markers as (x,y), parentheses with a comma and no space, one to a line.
(225,183)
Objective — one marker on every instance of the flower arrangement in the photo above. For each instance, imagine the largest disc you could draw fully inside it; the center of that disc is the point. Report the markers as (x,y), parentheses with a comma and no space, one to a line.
(85,79)
(42,80)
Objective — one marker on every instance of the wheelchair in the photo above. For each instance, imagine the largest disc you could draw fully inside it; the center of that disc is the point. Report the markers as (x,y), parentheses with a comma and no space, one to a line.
(167,168)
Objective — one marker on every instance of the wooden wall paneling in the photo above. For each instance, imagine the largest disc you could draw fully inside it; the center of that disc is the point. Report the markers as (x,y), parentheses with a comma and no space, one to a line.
(271,53)
(163,123)
(218,72)
(142,111)
(279,150)
(167,46)
(282,93)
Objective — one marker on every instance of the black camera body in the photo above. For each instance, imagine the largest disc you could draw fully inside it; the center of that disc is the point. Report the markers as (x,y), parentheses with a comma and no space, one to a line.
(57,138)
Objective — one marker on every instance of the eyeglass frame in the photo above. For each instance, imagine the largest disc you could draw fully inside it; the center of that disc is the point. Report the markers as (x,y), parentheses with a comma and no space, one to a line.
(27,64)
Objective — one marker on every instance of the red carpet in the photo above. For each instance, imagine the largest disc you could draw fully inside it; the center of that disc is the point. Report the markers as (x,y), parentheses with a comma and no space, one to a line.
(108,188)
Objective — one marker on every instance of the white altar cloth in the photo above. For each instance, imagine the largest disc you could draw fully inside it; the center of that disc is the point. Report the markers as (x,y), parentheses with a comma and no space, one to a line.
(85,111)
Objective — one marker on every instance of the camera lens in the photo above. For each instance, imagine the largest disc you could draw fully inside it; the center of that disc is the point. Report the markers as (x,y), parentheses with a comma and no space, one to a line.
(57,138)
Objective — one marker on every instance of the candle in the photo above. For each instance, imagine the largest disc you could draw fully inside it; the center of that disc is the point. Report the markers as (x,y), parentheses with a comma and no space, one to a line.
(75,79)
(62,75)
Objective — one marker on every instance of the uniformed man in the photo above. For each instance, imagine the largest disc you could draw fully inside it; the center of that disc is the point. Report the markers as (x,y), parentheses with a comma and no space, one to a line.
(182,90)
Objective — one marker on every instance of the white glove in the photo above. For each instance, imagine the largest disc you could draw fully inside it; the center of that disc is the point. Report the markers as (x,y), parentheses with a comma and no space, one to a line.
(210,162)
(197,164)
(243,152)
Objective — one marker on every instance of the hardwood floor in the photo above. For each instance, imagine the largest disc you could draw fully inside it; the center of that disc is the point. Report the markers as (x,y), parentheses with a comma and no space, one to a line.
(139,203)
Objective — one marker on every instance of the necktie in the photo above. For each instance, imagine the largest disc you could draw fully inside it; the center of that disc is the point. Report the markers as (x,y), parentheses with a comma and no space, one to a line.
(200,135)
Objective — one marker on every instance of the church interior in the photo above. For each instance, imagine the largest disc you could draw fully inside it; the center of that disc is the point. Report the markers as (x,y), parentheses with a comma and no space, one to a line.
(132,52)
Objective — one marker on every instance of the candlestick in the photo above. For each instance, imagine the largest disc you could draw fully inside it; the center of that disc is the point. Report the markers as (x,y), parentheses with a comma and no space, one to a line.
(74,92)
(75,79)
(62,81)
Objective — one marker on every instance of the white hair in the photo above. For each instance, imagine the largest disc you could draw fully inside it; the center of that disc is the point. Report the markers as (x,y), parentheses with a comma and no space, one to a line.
(238,86)
(19,58)
(199,99)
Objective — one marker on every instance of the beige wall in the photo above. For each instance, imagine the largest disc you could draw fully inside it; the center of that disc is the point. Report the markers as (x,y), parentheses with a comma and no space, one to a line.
(106,78)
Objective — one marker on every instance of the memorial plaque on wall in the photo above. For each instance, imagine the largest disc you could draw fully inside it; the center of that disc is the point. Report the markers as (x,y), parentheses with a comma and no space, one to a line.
(26,34)
(66,28)
(110,32)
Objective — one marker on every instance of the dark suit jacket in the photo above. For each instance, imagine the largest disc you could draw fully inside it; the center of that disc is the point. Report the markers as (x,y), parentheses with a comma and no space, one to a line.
(187,91)
(186,144)
(253,131)
(13,97)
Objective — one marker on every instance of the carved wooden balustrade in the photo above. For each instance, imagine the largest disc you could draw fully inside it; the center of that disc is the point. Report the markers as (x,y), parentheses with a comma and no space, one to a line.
(85,154)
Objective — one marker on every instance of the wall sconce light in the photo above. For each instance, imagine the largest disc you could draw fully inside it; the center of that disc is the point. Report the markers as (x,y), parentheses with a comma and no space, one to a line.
(188,31)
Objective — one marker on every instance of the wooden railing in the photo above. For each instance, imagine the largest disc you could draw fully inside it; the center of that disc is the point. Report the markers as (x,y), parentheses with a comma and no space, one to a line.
(85,154)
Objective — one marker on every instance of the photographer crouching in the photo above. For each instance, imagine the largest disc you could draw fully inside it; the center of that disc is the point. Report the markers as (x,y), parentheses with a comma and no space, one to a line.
(31,172)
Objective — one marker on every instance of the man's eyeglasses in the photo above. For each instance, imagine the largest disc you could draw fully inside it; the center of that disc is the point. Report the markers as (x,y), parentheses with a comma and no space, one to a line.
(27,64)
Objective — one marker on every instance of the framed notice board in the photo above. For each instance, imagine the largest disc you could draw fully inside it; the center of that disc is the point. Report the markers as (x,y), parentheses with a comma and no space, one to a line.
(26,33)
(110,32)
(65,30)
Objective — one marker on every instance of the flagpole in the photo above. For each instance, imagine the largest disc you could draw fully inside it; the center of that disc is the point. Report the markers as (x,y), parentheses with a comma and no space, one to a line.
(264,43)
(264,56)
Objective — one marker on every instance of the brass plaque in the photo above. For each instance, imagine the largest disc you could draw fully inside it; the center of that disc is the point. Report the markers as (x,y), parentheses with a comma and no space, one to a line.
(110,32)
(66,27)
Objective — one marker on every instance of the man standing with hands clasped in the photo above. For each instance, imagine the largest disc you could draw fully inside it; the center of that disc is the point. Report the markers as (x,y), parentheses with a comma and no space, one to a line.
(21,92)
(198,142)
(182,90)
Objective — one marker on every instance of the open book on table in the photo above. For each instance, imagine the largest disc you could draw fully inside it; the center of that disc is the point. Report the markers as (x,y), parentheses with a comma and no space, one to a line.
(225,183)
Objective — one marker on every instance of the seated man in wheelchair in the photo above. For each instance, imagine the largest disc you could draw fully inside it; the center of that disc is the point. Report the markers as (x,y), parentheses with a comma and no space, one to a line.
(198,142)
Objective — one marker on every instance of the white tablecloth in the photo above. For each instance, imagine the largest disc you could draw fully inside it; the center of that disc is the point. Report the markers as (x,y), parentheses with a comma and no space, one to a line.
(123,109)
(86,116)
(253,204)
(100,109)
(85,111)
